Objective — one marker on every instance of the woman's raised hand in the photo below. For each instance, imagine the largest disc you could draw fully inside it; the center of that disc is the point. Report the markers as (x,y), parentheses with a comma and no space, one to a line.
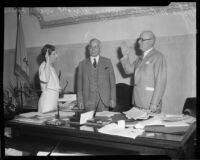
(47,56)
(124,48)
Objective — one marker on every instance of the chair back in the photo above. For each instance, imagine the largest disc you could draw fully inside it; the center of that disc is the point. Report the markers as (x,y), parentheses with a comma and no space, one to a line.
(189,107)
(123,97)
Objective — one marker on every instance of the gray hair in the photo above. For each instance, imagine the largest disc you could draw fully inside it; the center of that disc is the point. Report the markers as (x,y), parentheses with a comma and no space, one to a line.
(94,39)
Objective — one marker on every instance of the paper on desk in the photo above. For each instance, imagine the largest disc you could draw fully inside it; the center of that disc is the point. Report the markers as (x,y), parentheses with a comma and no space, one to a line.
(158,120)
(106,113)
(43,153)
(87,128)
(28,114)
(136,113)
(175,124)
(190,120)
(67,106)
(66,114)
(179,117)
(68,154)
(41,117)
(30,120)
(63,114)
(68,98)
(34,114)
(13,152)
(86,116)
(113,129)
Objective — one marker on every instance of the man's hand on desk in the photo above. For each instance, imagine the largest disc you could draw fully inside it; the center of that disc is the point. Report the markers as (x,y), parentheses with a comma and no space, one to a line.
(112,104)
(153,108)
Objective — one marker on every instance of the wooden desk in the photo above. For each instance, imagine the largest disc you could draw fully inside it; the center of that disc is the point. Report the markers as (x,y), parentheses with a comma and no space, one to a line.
(30,144)
(175,146)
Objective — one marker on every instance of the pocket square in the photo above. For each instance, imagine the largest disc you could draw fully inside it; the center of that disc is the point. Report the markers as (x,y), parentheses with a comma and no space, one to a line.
(149,89)
(147,62)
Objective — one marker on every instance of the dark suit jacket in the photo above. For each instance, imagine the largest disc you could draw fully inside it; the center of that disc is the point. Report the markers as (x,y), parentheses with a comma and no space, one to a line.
(105,82)
(150,78)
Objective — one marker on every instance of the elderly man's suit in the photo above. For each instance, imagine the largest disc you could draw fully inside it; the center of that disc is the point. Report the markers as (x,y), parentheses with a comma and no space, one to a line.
(96,84)
(150,78)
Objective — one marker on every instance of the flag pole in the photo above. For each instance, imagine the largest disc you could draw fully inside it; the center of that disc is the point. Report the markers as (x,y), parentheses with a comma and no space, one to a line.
(21,89)
(21,96)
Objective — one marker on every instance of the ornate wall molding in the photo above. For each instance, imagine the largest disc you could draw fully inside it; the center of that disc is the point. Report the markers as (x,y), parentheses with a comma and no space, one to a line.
(109,15)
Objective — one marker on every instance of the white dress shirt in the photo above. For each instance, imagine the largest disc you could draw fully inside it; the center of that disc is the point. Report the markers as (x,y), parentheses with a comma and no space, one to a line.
(92,59)
(147,51)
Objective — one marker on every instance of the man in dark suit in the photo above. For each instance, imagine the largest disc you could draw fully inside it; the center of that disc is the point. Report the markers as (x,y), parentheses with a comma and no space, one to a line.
(96,81)
(150,73)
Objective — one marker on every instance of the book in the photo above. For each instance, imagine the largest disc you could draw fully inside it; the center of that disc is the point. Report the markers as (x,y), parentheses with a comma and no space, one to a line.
(136,113)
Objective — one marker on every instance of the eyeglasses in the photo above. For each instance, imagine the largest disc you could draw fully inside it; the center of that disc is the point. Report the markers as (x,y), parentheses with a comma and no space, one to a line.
(141,39)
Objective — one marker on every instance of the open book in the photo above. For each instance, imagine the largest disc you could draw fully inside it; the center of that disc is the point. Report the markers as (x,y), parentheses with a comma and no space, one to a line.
(135,113)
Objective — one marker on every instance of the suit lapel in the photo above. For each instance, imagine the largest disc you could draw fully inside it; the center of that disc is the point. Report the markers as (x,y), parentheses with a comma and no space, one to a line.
(141,64)
(88,68)
(147,56)
(99,69)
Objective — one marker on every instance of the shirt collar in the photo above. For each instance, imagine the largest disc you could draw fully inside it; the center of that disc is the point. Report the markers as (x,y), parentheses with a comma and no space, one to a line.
(147,51)
(92,58)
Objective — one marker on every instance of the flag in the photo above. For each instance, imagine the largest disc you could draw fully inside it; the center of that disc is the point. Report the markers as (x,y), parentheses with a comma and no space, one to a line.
(21,60)
(21,67)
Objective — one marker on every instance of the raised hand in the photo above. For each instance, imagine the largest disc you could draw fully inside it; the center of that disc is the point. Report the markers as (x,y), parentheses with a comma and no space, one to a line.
(47,56)
(124,48)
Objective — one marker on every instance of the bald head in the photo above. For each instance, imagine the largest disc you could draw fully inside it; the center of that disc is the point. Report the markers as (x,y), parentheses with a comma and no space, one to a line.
(149,35)
(147,40)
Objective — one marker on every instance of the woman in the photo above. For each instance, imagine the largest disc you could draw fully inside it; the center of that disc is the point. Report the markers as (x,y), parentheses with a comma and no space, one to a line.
(49,81)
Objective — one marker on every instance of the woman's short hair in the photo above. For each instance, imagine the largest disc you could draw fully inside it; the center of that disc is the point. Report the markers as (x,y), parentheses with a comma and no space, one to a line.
(48,47)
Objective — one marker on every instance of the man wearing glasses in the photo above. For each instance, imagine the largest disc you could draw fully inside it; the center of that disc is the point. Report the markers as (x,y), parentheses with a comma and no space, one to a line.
(150,73)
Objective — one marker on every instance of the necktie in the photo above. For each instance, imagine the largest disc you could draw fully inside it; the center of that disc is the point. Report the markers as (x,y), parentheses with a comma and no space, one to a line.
(95,63)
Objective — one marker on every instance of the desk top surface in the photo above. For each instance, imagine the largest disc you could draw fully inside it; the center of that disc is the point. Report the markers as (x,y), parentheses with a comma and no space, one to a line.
(74,129)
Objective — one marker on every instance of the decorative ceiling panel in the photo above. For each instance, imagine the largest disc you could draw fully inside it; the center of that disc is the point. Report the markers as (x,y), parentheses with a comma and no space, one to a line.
(59,16)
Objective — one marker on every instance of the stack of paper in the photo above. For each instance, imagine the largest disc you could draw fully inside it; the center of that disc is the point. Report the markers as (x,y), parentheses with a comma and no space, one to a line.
(157,120)
(67,106)
(68,102)
(28,114)
(170,130)
(190,120)
(30,120)
(174,117)
(52,114)
(114,129)
(106,114)
(136,113)
(40,118)
(68,98)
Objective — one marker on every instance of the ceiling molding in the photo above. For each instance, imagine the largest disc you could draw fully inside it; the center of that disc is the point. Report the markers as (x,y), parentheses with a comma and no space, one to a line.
(133,11)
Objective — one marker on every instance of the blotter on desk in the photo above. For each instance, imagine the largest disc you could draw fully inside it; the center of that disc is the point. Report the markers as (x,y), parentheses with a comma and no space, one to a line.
(169,130)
